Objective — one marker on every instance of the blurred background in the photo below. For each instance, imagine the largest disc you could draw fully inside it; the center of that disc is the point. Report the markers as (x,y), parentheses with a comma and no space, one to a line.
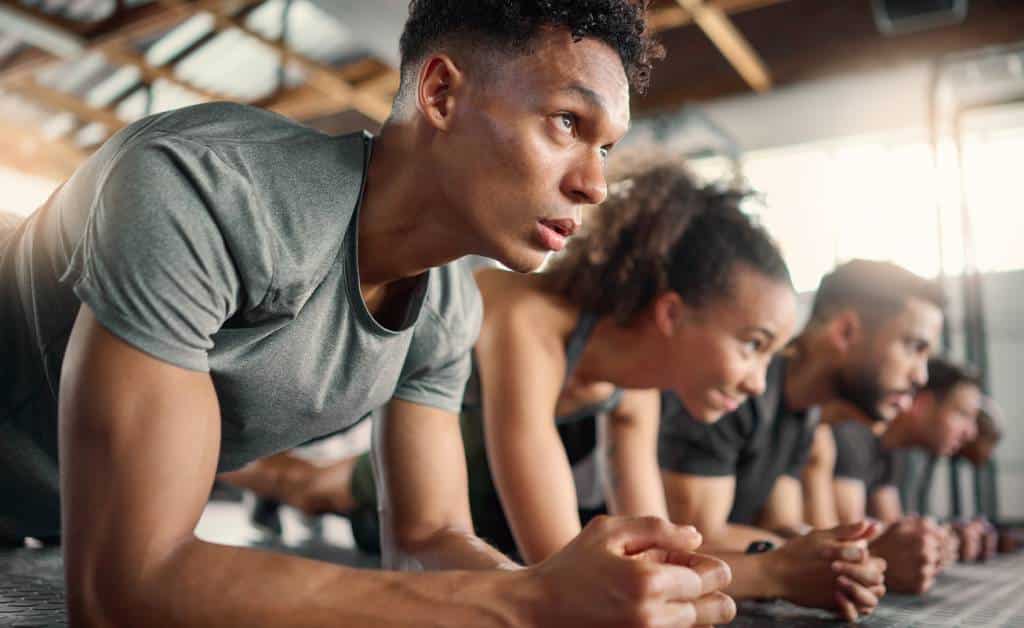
(882,129)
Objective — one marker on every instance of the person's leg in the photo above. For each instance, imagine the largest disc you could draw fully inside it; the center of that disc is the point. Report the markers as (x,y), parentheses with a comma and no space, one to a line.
(29,488)
(29,477)
(291,480)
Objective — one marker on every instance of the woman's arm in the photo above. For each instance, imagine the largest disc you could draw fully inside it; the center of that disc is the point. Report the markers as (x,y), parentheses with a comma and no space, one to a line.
(630,448)
(522,367)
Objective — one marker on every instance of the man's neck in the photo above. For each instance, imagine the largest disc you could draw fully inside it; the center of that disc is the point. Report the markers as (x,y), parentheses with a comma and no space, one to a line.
(809,377)
(899,434)
(404,229)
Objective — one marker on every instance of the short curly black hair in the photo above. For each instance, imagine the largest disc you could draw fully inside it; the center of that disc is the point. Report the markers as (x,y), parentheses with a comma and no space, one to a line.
(512,25)
(661,230)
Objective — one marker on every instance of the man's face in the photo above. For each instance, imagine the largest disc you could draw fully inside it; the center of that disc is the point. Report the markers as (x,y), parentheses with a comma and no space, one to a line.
(885,368)
(735,337)
(952,421)
(527,146)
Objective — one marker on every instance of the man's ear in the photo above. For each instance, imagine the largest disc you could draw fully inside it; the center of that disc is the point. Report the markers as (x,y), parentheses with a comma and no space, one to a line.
(669,312)
(439,81)
(845,330)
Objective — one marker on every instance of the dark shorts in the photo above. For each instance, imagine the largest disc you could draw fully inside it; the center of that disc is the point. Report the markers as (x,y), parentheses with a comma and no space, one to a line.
(29,482)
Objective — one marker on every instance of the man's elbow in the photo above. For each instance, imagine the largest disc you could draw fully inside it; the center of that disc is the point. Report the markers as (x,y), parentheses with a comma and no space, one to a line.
(106,590)
(95,599)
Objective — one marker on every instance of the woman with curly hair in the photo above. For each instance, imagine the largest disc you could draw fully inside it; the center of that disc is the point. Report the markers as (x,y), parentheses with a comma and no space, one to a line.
(671,287)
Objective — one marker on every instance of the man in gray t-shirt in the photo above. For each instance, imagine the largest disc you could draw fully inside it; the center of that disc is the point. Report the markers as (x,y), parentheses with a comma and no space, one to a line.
(216,284)
(267,302)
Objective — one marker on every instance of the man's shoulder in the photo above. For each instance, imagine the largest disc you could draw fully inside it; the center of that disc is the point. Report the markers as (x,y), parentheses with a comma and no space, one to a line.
(453,309)
(854,433)
(227,121)
(858,450)
(282,194)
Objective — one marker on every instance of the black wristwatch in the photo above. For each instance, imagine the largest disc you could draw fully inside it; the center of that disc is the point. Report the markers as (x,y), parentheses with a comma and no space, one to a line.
(760,547)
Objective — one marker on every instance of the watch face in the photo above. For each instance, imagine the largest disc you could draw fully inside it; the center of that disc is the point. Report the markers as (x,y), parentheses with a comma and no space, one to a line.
(760,547)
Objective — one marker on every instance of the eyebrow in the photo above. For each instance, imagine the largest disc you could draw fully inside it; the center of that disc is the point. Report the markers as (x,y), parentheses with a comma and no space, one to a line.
(766,332)
(918,338)
(592,98)
(587,94)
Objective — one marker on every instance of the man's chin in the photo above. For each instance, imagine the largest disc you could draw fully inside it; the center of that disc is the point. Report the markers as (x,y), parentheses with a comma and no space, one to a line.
(524,262)
(885,414)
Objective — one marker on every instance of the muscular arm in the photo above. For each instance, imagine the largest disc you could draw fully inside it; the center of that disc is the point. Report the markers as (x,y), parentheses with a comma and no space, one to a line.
(632,482)
(819,494)
(705,502)
(885,504)
(421,477)
(850,500)
(139,446)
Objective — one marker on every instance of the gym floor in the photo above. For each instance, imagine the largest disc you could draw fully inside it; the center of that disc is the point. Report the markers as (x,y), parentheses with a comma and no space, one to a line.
(987,595)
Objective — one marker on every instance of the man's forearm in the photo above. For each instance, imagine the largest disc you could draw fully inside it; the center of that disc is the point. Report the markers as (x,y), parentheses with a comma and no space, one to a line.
(256,589)
(448,549)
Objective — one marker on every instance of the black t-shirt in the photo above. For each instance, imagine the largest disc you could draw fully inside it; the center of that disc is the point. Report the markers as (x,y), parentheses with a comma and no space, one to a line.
(757,443)
(861,456)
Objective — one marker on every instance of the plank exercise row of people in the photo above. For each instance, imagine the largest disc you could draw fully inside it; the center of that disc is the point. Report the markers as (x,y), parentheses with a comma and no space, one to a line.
(858,467)
(735,477)
(218,284)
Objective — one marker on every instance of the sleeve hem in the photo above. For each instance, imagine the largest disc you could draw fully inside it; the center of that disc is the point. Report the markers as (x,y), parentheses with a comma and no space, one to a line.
(434,401)
(143,341)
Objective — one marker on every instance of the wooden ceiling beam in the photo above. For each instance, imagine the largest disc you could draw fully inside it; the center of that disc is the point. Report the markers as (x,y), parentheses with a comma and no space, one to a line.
(27,150)
(116,21)
(366,85)
(151,73)
(673,16)
(730,42)
(62,101)
(319,76)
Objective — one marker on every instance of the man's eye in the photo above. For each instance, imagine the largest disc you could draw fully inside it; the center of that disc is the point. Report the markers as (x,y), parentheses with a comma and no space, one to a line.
(568,121)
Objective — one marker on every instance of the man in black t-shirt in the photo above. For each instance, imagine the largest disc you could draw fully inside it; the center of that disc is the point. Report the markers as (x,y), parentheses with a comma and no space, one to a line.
(862,460)
(872,328)
(868,467)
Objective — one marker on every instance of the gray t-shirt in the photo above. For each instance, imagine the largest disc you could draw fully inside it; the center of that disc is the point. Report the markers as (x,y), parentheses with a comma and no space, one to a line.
(222,238)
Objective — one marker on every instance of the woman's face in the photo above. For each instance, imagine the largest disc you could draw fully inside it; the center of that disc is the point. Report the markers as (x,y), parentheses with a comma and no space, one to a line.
(721,351)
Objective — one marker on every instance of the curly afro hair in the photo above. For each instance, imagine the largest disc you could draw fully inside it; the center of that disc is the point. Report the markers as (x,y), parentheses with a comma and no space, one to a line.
(511,25)
(660,230)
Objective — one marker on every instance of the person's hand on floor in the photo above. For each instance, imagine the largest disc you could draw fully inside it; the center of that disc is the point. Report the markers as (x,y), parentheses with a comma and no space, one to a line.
(831,569)
(634,572)
(913,550)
